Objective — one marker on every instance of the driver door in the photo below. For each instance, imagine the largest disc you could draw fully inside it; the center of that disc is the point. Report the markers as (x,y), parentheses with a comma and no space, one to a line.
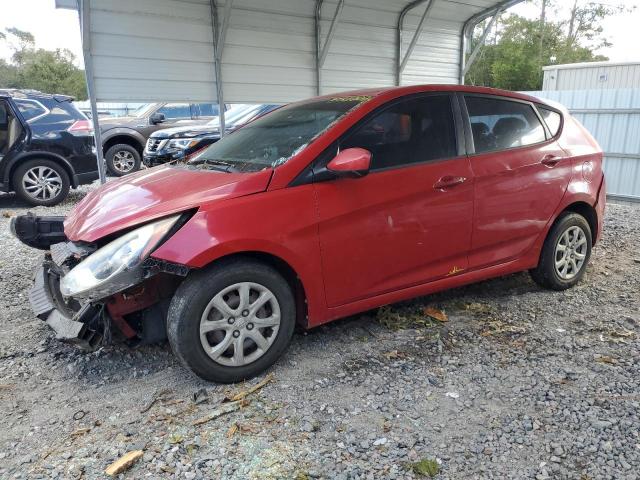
(400,225)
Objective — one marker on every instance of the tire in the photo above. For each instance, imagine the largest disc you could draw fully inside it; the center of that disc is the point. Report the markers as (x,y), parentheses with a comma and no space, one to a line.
(546,274)
(122,159)
(27,182)
(195,296)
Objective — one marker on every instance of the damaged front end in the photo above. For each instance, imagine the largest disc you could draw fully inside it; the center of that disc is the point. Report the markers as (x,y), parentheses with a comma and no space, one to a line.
(82,290)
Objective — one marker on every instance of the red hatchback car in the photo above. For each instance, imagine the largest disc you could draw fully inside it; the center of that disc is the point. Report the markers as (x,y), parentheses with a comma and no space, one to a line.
(319,210)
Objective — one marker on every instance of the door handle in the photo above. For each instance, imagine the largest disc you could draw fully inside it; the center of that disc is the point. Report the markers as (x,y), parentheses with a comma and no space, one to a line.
(448,181)
(550,160)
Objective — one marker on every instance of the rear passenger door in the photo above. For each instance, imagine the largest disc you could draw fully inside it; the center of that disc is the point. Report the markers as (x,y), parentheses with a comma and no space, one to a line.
(408,221)
(521,175)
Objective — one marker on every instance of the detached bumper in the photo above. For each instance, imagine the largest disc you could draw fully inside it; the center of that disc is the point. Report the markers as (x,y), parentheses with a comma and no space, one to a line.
(69,325)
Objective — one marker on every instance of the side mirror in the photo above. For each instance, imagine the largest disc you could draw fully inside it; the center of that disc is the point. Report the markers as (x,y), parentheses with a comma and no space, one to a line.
(156,118)
(351,162)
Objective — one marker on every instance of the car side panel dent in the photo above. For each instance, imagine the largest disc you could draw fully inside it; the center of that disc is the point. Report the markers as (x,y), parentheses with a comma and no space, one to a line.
(248,224)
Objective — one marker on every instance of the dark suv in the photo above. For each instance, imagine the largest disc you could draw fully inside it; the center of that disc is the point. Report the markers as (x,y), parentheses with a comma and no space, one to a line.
(124,138)
(46,146)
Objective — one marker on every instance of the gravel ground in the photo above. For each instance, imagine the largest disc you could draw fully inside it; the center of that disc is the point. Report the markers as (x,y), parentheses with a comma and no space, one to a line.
(519,383)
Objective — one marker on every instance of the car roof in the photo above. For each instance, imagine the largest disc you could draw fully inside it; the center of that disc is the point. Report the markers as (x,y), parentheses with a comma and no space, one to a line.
(32,94)
(393,92)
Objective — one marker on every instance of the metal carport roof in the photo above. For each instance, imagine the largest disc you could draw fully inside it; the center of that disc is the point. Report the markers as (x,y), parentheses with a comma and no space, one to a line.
(271,50)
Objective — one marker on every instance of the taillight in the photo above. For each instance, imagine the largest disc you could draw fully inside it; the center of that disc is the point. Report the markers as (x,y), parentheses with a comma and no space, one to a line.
(80,128)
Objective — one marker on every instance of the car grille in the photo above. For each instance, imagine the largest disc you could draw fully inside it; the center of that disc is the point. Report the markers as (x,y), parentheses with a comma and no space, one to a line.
(153,145)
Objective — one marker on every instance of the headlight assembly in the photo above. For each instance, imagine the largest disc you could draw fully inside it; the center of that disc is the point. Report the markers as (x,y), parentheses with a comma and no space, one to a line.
(182,143)
(115,266)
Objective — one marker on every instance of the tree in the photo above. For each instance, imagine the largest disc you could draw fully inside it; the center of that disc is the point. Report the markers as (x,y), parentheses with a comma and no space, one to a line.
(51,71)
(521,46)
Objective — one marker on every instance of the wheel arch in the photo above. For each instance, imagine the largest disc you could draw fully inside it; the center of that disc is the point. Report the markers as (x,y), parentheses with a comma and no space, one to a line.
(589,213)
(15,164)
(284,269)
(127,138)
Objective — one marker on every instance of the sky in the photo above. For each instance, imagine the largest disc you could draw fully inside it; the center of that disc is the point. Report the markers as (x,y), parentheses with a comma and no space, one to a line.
(55,28)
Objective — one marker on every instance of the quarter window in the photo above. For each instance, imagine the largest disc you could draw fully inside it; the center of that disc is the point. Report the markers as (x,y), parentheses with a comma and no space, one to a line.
(552,119)
(30,109)
(502,124)
(411,131)
(176,111)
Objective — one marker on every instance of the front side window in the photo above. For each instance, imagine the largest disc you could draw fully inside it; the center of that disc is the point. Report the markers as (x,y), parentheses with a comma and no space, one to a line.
(176,111)
(30,109)
(274,138)
(502,124)
(411,131)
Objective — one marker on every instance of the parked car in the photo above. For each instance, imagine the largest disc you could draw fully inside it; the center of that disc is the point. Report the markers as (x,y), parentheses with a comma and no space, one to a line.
(180,143)
(319,210)
(46,146)
(124,138)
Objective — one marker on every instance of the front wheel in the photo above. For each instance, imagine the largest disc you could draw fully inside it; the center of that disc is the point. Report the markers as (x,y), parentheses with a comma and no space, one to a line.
(565,253)
(232,321)
(122,159)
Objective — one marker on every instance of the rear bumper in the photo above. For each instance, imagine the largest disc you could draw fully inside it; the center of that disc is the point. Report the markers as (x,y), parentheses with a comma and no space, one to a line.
(600,207)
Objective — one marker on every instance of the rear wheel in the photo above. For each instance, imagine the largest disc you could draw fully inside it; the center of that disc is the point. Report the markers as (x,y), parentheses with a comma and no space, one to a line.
(565,254)
(230,322)
(122,159)
(41,182)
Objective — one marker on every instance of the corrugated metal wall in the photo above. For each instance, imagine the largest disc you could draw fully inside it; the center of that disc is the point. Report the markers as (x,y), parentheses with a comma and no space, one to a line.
(613,118)
(144,50)
(162,50)
(597,75)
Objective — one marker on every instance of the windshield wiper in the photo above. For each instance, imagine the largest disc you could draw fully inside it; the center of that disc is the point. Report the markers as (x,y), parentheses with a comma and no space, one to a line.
(228,166)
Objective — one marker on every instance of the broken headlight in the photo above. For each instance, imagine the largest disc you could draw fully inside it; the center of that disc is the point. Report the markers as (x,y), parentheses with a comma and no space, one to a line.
(115,266)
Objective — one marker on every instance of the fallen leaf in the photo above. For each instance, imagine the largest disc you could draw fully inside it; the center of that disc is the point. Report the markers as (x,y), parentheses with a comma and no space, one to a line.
(80,431)
(123,463)
(606,359)
(436,314)
(8,214)
(395,354)
(175,438)
(232,430)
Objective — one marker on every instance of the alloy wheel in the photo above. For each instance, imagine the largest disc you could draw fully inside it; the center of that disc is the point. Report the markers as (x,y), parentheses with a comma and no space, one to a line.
(570,253)
(42,183)
(240,324)
(123,161)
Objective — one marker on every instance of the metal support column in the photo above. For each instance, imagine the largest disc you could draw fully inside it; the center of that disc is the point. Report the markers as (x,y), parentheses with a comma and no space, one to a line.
(402,63)
(322,51)
(219,32)
(83,13)
(483,38)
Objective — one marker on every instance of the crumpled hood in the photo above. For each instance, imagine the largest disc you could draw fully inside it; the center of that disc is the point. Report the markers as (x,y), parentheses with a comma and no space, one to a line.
(155,193)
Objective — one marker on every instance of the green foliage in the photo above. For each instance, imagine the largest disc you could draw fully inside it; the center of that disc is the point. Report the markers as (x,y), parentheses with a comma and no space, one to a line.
(513,58)
(426,467)
(51,71)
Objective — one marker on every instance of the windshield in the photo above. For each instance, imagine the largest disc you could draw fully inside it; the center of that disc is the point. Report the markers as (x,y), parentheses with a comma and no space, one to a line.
(143,110)
(231,116)
(273,139)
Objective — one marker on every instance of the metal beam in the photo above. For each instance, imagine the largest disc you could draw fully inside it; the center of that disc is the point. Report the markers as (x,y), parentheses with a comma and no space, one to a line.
(218,37)
(483,38)
(85,29)
(222,34)
(332,30)
(414,40)
(470,24)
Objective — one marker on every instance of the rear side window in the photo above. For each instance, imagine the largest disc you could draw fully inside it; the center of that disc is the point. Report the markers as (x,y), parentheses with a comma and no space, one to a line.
(552,118)
(411,131)
(502,124)
(175,111)
(30,109)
